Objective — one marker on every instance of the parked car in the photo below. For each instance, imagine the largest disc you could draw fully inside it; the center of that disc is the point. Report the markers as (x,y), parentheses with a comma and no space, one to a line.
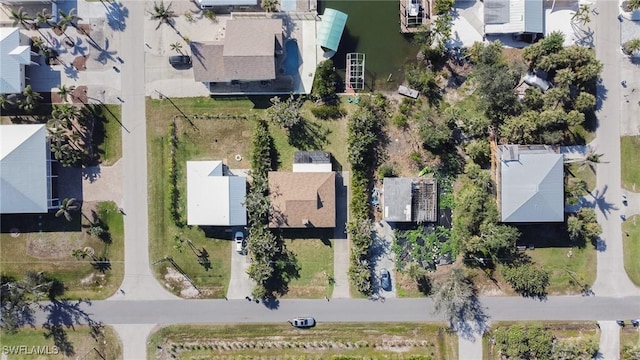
(180,60)
(385,279)
(238,238)
(303,322)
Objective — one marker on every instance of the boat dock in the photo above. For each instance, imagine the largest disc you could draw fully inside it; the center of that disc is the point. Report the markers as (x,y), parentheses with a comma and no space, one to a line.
(414,14)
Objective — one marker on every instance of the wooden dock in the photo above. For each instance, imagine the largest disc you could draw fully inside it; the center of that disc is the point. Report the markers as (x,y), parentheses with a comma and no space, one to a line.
(412,24)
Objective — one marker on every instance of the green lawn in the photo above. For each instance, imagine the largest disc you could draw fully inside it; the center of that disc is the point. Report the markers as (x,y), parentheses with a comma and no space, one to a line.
(362,340)
(583,330)
(315,258)
(78,342)
(629,336)
(632,248)
(629,148)
(204,138)
(585,173)
(50,250)
(568,274)
(110,147)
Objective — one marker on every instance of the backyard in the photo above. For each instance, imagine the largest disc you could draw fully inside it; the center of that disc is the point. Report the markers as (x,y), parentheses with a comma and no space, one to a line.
(631,242)
(46,243)
(383,340)
(80,342)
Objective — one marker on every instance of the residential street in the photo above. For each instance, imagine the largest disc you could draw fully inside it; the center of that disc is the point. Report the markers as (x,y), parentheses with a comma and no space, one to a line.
(612,279)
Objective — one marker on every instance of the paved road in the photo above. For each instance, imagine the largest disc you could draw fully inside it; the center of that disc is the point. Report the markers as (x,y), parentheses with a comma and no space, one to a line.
(139,282)
(612,279)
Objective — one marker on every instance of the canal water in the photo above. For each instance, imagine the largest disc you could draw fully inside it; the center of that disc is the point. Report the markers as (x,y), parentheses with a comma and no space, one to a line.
(373,28)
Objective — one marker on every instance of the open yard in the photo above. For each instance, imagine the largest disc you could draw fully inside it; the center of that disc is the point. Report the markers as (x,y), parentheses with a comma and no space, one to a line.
(629,148)
(569,331)
(45,243)
(583,172)
(632,248)
(629,337)
(315,257)
(79,342)
(108,133)
(376,340)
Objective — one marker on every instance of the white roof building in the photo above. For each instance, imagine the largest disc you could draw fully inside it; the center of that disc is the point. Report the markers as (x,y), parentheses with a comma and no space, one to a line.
(214,199)
(531,184)
(25,170)
(513,16)
(15,53)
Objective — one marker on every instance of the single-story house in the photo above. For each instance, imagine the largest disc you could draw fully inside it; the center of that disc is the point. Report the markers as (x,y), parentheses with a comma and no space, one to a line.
(312,161)
(513,17)
(530,182)
(246,53)
(213,197)
(15,52)
(303,199)
(410,200)
(26,178)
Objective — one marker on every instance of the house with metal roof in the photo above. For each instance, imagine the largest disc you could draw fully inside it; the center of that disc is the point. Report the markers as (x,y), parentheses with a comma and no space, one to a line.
(530,182)
(303,199)
(513,17)
(26,178)
(247,53)
(407,200)
(15,52)
(214,198)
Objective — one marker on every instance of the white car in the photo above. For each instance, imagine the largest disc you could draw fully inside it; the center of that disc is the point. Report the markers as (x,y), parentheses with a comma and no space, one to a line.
(238,238)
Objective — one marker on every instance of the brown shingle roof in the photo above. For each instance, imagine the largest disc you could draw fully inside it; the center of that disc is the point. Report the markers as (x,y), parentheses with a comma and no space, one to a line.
(303,199)
(207,61)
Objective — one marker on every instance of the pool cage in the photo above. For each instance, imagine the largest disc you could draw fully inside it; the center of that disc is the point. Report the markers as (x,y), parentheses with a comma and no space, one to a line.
(354,77)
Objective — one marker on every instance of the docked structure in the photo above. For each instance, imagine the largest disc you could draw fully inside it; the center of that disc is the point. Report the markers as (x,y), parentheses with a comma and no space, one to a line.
(414,14)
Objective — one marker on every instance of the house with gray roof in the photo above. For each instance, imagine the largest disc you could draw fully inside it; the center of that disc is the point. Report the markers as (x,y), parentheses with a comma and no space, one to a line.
(247,53)
(406,200)
(513,17)
(530,180)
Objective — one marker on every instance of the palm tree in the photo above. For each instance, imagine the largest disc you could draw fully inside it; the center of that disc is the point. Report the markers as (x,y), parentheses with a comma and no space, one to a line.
(67,205)
(20,17)
(69,18)
(270,5)
(29,99)
(631,5)
(177,47)
(6,101)
(631,46)
(162,14)
(42,17)
(582,15)
(65,91)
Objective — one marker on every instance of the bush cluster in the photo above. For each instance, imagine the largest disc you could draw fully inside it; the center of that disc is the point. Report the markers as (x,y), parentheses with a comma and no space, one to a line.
(325,112)
(174,193)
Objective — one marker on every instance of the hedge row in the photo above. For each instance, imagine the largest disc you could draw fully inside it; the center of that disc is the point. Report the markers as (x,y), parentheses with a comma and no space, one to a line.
(172,169)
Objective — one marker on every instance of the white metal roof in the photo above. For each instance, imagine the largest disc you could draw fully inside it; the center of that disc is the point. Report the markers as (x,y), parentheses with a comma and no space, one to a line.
(14,56)
(212,198)
(513,16)
(532,187)
(23,169)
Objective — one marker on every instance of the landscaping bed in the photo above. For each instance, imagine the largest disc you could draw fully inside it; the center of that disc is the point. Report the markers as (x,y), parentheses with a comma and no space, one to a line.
(81,342)
(377,340)
(46,243)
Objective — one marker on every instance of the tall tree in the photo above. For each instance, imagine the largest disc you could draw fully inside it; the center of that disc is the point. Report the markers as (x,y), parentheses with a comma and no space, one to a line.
(20,17)
(285,113)
(632,46)
(163,14)
(42,18)
(269,5)
(64,91)
(70,18)
(66,207)
(177,47)
(18,298)
(6,101)
(29,99)
(454,297)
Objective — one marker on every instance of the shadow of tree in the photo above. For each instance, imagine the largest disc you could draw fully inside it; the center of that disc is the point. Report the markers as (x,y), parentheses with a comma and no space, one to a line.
(65,314)
(470,320)
(308,135)
(101,264)
(203,259)
(117,14)
(60,339)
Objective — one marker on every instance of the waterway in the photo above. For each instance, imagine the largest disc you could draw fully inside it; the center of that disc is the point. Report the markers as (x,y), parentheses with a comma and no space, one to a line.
(373,28)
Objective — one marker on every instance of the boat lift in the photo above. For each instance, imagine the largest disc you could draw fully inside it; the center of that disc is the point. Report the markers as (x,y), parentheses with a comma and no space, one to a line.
(354,77)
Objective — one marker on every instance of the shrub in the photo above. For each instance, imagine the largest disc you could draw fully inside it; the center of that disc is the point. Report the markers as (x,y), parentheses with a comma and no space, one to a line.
(400,120)
(387,170)
(325,112)
(324,83)
(443,6)
(527,280)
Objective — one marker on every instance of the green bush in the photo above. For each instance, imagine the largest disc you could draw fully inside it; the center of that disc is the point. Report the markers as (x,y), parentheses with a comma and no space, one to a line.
(400,120)
(325,112)
(387,170)
(443,6)
(527,280)
(324,82)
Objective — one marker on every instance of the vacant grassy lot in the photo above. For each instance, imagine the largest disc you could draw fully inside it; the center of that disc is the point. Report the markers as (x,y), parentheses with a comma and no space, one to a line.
(78,342)
(579,330)
(629,336)
(632,248)
(375,340)
(629,148)
(50,250)
(572,266)
(315,258)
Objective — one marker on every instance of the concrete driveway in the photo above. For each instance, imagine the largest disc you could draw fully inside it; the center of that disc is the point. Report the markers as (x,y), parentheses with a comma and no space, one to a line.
(240,285)
(383,257)
(609,340)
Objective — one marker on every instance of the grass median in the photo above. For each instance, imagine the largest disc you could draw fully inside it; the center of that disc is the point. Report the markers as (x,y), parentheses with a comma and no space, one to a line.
(631,242)
(362,340)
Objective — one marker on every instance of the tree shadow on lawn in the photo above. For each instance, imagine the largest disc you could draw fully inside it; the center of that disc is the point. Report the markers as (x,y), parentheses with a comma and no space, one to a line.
(308,135)
(63,315)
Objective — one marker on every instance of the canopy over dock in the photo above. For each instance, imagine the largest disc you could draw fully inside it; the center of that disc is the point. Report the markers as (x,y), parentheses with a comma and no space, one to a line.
(330,29)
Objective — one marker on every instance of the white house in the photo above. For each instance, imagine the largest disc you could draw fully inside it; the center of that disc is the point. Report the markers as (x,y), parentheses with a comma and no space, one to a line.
(25,170)
(213,198)
(15,52)
(531,181)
